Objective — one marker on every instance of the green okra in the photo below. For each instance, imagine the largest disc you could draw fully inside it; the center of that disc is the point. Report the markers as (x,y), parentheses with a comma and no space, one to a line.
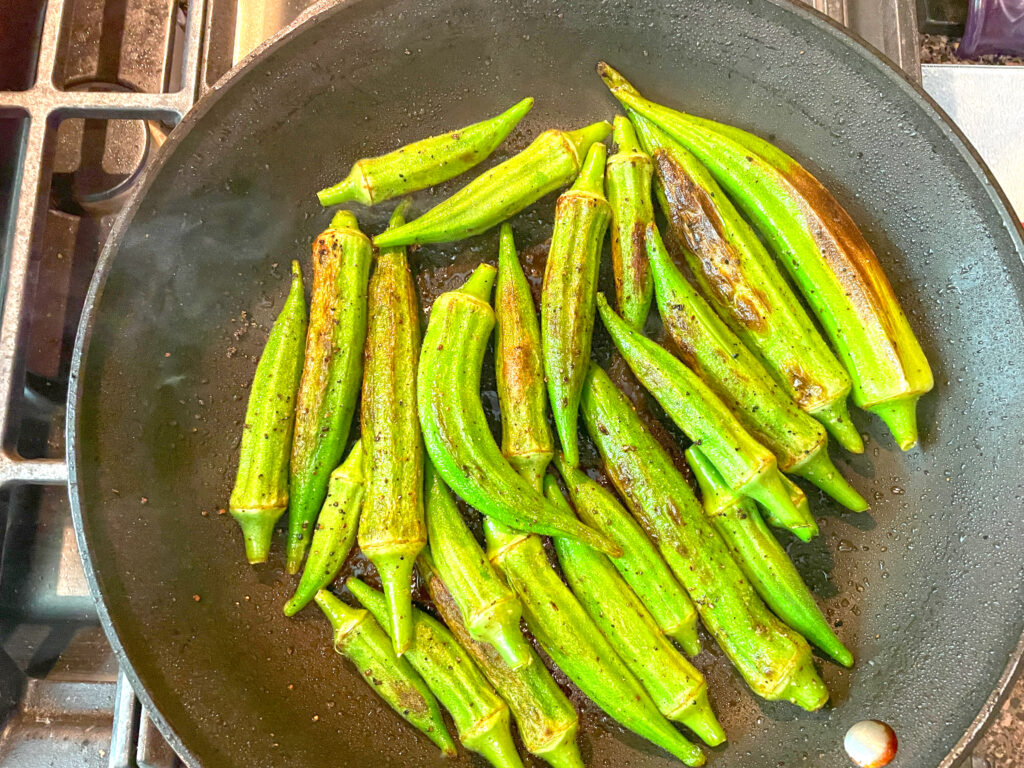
(567,300)
(774,660)
(423,163)
(489,609)
(676,687)
(569,636)
(628,180)
(740,279)
(763,559)
(359,638)
(260,495)
(549,163)
(546,719)
(392,530)
(822,249)
(748,467)
(734,373)
(640,564)
(331,373)
(526,439)
(480,715)
(455,429)
(335,531)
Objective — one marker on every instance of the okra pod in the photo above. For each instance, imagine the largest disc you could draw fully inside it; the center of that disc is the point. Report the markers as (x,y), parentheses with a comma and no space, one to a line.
(640,564)
(743,283)
(526,439)
(260,495)
(335,531)
(748,467)
(480,715)
(714,353)
(549,163)
(763,559)
(677,688)
(773,659)
(392,530)
(822,249)
(423,163)
(546,719)
(455,429)
(554,616)
(331,373)
(569,636)
(359,638)
(489,609)
(628,179)
(567,300)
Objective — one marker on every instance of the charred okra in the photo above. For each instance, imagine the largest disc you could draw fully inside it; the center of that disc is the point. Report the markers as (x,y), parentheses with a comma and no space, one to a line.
(331,374)
(260,495)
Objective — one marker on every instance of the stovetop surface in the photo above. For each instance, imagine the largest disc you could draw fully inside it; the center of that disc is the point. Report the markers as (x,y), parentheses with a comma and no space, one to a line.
(123,72)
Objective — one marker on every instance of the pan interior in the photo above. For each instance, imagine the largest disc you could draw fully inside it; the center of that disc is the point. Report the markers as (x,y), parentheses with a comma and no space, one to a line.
(925,588)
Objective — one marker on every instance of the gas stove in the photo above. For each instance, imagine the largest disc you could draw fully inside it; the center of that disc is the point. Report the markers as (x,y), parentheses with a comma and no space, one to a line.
(89,89)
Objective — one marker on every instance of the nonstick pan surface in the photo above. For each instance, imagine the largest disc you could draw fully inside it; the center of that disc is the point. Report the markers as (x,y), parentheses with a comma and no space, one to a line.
(926,588)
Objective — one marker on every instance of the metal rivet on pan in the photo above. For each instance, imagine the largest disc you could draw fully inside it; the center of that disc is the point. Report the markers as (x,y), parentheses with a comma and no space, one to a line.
(870,744)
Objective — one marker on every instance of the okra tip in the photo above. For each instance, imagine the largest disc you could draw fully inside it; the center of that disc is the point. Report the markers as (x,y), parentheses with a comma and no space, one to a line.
(398,215)
(612,77)
(820,470)
(506,244)
(624,136)
(480,283)
(836,419)
(900,416)
(591,175)
(582,138)
(700,719)
(257,531)
(344,220)
(517,111)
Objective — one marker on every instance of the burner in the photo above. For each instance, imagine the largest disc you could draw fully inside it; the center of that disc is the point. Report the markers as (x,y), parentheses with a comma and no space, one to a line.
(97,161)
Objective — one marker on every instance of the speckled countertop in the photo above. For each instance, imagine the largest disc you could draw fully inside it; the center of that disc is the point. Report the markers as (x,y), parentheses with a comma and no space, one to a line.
(1002,745)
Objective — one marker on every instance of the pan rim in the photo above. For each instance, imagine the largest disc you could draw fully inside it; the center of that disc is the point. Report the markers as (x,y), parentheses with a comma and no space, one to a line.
(312,15)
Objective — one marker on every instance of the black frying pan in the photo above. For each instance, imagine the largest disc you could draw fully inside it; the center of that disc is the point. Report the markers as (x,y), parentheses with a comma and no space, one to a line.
(926,588)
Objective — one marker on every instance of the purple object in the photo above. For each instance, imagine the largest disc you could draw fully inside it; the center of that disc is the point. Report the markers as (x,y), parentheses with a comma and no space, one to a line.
(993,26)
